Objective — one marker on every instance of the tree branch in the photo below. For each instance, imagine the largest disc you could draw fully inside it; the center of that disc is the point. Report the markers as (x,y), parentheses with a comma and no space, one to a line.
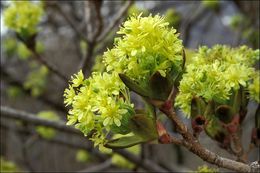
(191,144)
(48,65)
(87,62)
(33,119)
(187,25)
(67,18)
(146,164)
(59,140)
(14,82)
(115,21)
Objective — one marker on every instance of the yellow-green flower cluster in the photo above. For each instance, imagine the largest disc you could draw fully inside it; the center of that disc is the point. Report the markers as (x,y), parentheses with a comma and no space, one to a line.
(99,103)
(214,73)
(8,166)
(23,17)
(206,169)
(147,46)
(254,88)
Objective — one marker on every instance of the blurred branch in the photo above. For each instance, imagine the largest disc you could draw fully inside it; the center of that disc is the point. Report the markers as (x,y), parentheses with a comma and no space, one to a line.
(25,152)
(98,36)
(250,9)
(146,164)
(33,119)
(48,65)
(68,19)
(57,140)
(196,13)
(98,168)
(14,82)
(99,21)
(115,20)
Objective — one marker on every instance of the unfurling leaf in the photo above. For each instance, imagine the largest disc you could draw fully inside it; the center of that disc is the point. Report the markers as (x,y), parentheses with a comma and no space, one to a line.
(197,106)
(160,86)
(143,126)
(133,86)
(125,142)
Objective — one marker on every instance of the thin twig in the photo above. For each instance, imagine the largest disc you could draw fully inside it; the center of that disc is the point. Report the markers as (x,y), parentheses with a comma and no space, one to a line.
(59,140)
(87,62)
(115,21)
(49,66)
(71,22)
(33,119)
(189,23)
(146,164)
(15,82)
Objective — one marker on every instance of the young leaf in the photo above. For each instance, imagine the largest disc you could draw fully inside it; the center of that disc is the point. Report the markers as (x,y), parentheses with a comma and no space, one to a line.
(125,142)
(133,86)
(197,106)
(143,126)
(160,86)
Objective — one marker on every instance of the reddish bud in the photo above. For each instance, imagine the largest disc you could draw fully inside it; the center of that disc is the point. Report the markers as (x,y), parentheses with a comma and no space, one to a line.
(233,126)
(197,124)
(164,137)
(167,105)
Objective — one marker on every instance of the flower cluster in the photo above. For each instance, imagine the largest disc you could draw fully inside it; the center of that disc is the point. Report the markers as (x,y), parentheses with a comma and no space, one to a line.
(23,17)
(100,103)
(206,169)
(215,73)
(147,46)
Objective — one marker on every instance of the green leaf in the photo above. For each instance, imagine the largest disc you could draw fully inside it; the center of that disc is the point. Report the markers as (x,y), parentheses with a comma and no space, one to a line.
(160,86)
(197,106)
(143,126)
(125,142)
(133,86)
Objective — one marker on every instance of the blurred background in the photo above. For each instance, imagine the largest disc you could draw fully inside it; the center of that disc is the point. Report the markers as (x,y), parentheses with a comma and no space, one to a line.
(73,35)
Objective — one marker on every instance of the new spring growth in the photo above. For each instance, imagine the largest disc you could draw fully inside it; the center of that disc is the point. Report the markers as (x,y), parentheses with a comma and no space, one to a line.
(215,73)
(147,46)
(100,103)
(23,17)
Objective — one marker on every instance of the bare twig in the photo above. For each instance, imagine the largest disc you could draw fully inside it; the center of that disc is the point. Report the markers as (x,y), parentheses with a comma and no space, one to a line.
(32,119)
(87,62)
(115,21)
(15,82)
(146,164)
(99,21)
(70,21)
(60,140)
(48,65)
(187,25)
